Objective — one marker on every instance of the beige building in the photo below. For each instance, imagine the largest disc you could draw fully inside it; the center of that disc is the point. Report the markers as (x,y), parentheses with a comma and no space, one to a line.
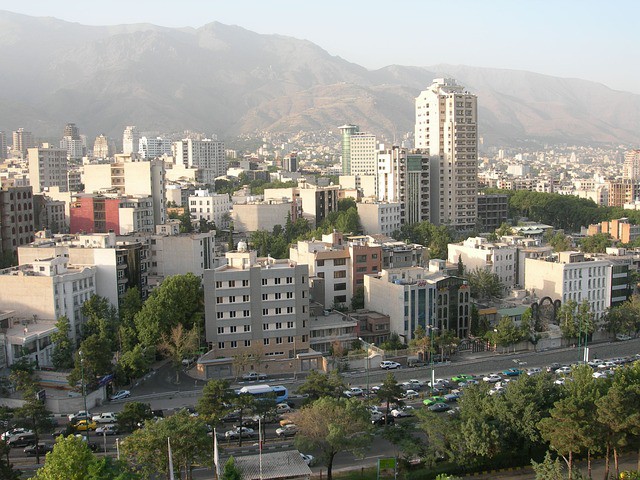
(257,306)
(207,155)
(447,128)
(495,257)
(254,216)
(316,202)
(48,289)
(379,217)
(212,207)
(48,167)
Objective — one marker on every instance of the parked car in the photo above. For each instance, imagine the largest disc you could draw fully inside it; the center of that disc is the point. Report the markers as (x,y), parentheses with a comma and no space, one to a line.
(81,415)
(282,408)
(409,394)
(439,407)
(121,394)
(433,400)
(492,378)
(287,431)
(353,392)
(406,411)
(15,432)
(462,377)
(453,396)
(188,361)
(415,384)
(84,425)
(254,376)
(41,448)
(105,417)
(621,337)
(533,370)
(381,420)
(308,459)
(107,430)
(22,440)
(563,370)
(389,365)
(440,382)
(512,372)
(553,367)
(245,432)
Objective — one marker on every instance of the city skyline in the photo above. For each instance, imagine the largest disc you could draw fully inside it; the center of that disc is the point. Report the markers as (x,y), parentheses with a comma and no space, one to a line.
(568,39)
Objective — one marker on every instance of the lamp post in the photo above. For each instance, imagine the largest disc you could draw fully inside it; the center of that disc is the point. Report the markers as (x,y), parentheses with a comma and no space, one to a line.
(433,372)
(84,393)
(368,360)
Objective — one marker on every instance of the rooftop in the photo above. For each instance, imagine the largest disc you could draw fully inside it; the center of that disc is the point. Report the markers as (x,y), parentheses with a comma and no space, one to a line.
(275,465)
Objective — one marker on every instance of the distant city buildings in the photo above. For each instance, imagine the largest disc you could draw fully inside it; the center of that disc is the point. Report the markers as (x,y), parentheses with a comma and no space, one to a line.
(130,141)
(207,155)
(48,167)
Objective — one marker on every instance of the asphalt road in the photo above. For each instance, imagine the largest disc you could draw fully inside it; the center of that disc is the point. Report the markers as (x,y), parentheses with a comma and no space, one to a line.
(161,391)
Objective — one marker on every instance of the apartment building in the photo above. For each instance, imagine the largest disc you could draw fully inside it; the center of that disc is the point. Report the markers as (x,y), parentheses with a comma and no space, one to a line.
(258,305)
(379,217)
(495,257)
(207,155)
(493,211)
(212,207)
(48,167)
(620,229)
(17,213)
(122,214)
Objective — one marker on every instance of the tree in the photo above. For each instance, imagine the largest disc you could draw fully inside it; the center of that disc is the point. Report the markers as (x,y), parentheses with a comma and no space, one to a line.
(597,243)
(231,471)
(389,392)
(506,332)
(318,385)
(393,343)
(357,301)
(32,414)
(344,204)
(213,404)
(460,269)
(107,468)
(62,356)
(70,459)
(548,469)
(102,319)
(185,220)
(94,362)
(178,300)
(242,403)
(178,345)
(332,425)
(133,414)
(560,242)
(127,332)
(484,284)
(134,363)
(147,447)
(504,230)
(422,342)
(6,467)
(624,318)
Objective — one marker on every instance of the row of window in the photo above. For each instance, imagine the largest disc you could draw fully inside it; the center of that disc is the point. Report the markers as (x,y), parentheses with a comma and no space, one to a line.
(265,341)
(233,329)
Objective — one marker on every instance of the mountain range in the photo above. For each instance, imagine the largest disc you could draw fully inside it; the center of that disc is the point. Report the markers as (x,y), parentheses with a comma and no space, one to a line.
(228,81)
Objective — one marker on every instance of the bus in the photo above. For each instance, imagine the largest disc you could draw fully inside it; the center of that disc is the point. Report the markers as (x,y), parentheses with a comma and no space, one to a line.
(278,392)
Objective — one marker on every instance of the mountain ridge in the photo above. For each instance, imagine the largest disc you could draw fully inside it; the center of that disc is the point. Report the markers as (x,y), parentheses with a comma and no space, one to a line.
(227,80)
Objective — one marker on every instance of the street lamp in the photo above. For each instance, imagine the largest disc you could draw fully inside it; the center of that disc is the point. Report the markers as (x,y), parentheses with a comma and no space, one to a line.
(433,372)
(368,360)
(84,393)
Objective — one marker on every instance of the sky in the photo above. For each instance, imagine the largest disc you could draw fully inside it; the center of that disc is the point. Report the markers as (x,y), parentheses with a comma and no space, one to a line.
(592,40)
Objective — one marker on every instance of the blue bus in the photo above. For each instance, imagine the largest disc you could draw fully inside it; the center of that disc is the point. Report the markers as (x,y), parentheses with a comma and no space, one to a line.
(266,392)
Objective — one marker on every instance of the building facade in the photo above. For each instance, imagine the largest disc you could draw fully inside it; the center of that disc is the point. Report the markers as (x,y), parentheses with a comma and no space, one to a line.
(495,257)
(48,167)
(207,155)
(212,207)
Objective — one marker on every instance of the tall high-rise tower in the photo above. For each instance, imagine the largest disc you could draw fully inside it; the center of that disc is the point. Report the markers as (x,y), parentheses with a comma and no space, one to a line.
(130,141)
(631,168)
(22,140)
(72,142)
(3,146)
(447,127)
(347,131)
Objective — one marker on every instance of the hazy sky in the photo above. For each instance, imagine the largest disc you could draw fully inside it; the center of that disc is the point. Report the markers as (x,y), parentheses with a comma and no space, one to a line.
(593,40)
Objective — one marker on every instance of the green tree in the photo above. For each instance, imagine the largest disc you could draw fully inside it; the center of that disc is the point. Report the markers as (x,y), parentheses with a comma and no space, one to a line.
(127,332)
(134,363)
(178,300)
(597,243)
(393,343)
(213,404)
(422,342)
(357,301)
(62,356)
(548,469)
(132,414)
(6,467)
(560,242)
(33,414)
(504,230)
(506,333)
(94,358)
(389,392)
(624,318)
(69,460)
(185,220)
(242,403)
(231,471)
(102,319)
(332,425)
(318,385)
(484,284)
(178,345)
(344,204)
(107,468)
(460,269)
(147,447)
(567,319)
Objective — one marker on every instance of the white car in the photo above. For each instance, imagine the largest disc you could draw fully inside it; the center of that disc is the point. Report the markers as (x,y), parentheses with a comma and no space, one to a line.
(246,432)
(409,394)
(607,365)
(16,432)
(308,459)
(621,337)
(416,384)
(406,411)
(603,374)
(282,408)
(353,392)
(492,378)
(533,371)
(254,376)
(389,365)
(105,417)
(563,370)
(121,394)
(81,415)
(107,430)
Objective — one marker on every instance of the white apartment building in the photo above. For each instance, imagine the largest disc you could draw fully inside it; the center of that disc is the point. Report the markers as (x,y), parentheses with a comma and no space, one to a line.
(48,168)
(572,276)
(131,141)
(364,151)
(447,128)
(213,207)
(49,289)
(254,216)
(207,155)
(154,147)
(379,217)
(477,252)
(258,305)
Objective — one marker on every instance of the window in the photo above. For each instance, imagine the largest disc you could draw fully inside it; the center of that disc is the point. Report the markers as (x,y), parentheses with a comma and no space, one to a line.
(277,281)
(220,314)
(265,296)
(265,326)
(302,279)
(218,284)
(278,325)
(232,314)
(218,299)
(290,339)
(289,309)
(232,283)
(234,344)
(340,286)
(320,263)
(340,261)
(304,309)
(232,329)
(340,274)
(264,281)
(278,296)
(265,311)
(245,283)
(247,328)
(265,341)
(361,259)
(361,270)
(304,294)
(340,299)
(247,343)
(289,279)
(245,313)
(278,311)
(232,299)
(220,330)
(221,345)
(289,324)
(245,298)
(374,256)
(289,294)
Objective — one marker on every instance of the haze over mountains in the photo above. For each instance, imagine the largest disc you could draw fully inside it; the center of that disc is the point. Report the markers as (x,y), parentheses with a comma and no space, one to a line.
(227,80)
